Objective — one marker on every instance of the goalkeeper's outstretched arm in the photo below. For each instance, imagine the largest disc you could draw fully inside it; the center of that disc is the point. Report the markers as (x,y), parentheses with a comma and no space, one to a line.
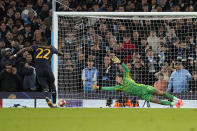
(117,87)
(125,67)
(108,88)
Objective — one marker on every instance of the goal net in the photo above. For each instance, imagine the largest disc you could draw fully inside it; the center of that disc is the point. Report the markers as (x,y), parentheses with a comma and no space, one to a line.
(152,45)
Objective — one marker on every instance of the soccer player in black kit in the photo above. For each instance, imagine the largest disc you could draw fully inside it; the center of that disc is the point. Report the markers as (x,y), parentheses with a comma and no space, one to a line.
(42,54)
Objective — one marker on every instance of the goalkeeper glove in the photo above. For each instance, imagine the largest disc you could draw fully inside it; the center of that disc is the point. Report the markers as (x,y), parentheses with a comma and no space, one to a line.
(94,87)
(116,60)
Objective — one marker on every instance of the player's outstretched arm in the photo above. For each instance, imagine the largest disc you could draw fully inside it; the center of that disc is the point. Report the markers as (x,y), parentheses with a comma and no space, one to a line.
(108,88)
(116,60)
(21,51)
(58,52)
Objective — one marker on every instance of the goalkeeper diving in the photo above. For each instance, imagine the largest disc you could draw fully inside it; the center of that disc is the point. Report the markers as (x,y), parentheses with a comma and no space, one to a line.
(146,92)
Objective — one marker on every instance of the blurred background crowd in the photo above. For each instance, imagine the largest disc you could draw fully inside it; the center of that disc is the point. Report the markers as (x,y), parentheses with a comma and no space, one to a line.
(152,49)
(127,5)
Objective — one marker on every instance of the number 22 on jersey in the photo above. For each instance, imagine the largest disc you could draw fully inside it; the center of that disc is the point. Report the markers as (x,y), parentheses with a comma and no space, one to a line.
(43,53)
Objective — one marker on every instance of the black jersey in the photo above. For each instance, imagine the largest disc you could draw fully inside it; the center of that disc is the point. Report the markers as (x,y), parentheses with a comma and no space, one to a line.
(43,54)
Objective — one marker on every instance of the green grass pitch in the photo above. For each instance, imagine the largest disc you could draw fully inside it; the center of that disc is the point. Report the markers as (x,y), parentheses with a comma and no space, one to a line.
(98,119)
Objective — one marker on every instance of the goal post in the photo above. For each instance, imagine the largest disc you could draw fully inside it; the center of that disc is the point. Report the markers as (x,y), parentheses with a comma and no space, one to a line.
(94,35)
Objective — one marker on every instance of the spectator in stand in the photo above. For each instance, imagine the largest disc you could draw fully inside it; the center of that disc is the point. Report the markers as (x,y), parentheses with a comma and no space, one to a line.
(192,61)
(3,30)
(151,63)
(153,4)
(136,39)
(2,10)
(8,39)
(161,84)
(164,5)
(48,20)
(107,73)
(17,15)
(28,33)
(89,75)
(163,55)
(191,64)
(193,83)
(173,43)
(68,77)
(183,52)
(44,13)
(91,35)
(98,50)
(179,79)
(2,46)
(20,39)
(15,46)
(166,71)
(128,49)
(130,7)
(136,26)
(80,66)
(29,74)
(139,72)
(25,12)
(10,81)
(153,41)
(5,57)
(120,9)
(15,31)
(142,47)
(19,24)
(10,23)
(146,28)
(38,35)
(191,44)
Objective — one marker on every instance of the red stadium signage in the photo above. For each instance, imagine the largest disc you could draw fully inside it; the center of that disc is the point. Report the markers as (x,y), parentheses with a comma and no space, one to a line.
(1,103)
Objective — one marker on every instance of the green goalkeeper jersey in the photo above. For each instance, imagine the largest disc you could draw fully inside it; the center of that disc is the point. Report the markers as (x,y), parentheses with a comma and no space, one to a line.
(131,87)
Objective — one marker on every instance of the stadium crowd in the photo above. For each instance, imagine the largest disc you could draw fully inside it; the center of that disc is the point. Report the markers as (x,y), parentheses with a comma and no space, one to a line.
(151,49)
(127,5)
(22,23)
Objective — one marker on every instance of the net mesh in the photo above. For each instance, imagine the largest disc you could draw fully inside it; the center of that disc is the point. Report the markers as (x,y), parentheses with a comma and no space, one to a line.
(153,47)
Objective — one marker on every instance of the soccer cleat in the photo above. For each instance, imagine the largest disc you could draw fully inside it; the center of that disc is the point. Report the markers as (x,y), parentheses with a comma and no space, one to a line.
(50,103)
(179,104)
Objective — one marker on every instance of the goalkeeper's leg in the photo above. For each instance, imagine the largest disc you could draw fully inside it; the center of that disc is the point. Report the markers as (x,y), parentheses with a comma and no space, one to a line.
(170,97)
(166,95)
(162,102)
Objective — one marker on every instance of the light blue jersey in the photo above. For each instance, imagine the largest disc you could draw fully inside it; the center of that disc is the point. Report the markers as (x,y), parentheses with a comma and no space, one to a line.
(89,78)
(179,81)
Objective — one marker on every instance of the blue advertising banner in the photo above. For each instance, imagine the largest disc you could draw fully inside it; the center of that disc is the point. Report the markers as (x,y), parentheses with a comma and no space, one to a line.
(24,95)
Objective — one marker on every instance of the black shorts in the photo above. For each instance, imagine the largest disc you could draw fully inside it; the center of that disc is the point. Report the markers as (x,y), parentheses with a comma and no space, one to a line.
(45,76)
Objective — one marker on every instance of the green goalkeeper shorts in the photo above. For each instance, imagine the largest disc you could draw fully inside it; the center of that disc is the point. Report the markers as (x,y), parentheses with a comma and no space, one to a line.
(148,92)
